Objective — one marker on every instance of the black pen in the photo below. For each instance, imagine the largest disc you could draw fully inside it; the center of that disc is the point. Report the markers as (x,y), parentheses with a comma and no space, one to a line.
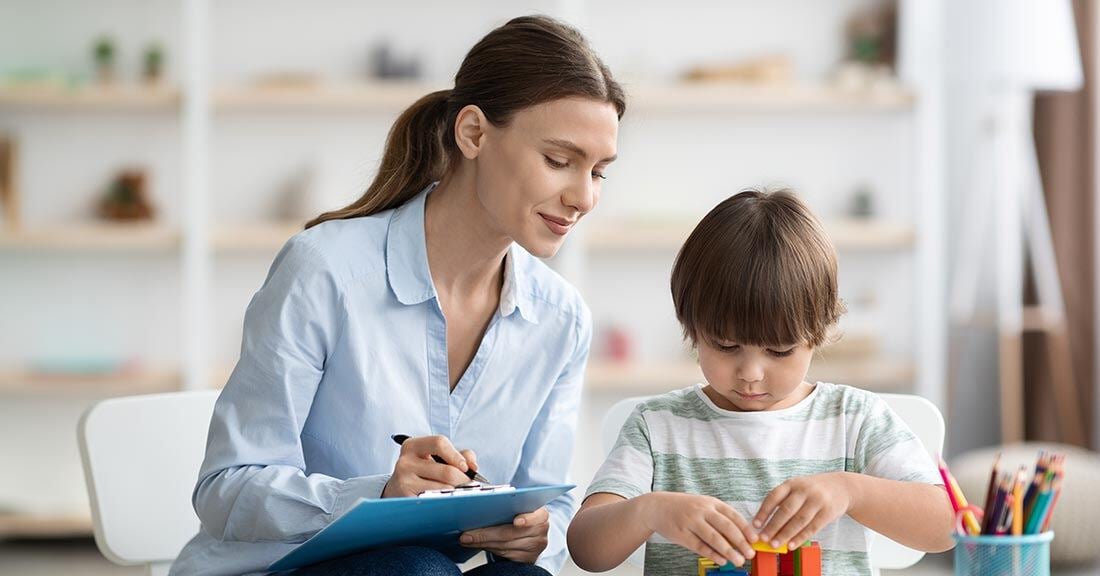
(400,439)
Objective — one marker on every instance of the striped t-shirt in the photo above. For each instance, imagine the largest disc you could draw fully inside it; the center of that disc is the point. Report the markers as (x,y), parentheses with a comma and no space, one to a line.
(683,442)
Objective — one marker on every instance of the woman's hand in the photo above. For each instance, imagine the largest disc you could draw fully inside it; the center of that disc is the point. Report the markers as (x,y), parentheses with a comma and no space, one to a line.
(702,524)
(801,507)
(415,471)
(521,541)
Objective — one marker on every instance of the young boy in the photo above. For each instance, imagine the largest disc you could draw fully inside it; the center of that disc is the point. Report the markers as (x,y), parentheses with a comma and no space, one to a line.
(759,454)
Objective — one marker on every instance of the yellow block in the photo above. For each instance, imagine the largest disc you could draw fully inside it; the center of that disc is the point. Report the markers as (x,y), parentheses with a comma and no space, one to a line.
(762,546)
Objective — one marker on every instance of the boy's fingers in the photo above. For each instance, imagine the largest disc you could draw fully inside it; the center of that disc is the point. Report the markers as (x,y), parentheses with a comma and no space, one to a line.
(697,545)
(795,525)
(733,534)
(810,530)
(770,503)
(783,514)
(746,529)
(716,542)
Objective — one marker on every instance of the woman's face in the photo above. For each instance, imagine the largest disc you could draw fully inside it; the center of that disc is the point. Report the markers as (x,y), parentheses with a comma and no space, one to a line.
(541,173)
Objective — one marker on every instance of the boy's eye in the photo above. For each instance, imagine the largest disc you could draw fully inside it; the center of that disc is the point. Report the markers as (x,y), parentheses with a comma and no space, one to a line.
(729,347)
(782,353)
(554,163)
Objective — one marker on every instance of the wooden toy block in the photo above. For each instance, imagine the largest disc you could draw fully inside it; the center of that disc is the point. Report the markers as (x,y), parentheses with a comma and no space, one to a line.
(786,564)
(807,560)
(764,564)
(707,567)
(762,546)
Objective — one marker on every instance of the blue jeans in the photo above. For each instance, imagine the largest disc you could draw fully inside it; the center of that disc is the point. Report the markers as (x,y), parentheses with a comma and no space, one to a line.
(406,560)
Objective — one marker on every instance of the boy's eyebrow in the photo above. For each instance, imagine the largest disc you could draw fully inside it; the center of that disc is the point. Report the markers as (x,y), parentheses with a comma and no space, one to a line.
(576,149)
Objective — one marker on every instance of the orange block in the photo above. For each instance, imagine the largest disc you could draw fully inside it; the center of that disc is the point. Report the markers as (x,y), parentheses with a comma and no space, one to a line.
(807,560)
(764,564)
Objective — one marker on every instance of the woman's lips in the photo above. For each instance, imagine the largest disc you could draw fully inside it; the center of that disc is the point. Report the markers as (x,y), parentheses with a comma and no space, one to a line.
(558,226)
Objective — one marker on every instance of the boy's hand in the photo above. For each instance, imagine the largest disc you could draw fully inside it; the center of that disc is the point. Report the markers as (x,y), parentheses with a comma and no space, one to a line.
(801,507)
(702,524)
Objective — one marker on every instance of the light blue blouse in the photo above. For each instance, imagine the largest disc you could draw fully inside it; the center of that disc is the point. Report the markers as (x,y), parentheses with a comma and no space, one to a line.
(344,345)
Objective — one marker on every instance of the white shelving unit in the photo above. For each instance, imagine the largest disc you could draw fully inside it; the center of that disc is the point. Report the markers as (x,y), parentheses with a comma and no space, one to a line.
(199,242)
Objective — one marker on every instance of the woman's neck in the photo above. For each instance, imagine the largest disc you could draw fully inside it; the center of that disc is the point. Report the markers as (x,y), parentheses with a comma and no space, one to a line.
(465,250)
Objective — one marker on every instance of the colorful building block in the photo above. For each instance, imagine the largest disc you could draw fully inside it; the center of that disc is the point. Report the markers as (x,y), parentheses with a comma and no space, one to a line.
(762,546)
(802,561)
(807,560)
(708,567)
(765,564)
(786,564)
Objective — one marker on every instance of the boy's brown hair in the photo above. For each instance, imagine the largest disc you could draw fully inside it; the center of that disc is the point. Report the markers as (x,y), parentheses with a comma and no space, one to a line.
(757,270)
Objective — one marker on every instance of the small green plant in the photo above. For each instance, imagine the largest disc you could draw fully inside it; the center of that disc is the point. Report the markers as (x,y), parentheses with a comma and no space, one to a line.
(104,54)
(153,63)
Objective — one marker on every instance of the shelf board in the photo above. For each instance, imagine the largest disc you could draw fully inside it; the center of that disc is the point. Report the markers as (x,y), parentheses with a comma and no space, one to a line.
(14,525)
(703,97)
(121,383)
(879,375)
(733,97)
(121,97)
(360,97)
(254,237)
(93,238)
(847,234)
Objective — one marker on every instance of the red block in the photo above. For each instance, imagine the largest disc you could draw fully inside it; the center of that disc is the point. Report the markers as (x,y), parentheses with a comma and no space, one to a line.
(786,564)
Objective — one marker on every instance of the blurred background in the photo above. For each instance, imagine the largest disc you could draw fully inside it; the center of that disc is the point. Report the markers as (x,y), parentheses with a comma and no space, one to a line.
(155,155)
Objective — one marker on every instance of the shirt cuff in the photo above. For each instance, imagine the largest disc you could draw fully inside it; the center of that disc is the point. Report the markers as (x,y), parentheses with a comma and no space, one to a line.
(354,489)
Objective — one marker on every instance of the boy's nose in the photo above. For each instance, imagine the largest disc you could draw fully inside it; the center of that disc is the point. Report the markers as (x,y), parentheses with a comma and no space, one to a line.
(750,374)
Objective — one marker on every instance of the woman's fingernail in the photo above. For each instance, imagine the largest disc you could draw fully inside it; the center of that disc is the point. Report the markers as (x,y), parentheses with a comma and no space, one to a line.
(467,539)
(775,543)
(757,523)
(521,522)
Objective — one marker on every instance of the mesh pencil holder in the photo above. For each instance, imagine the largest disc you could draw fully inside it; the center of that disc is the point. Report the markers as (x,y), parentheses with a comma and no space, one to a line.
(1003,555)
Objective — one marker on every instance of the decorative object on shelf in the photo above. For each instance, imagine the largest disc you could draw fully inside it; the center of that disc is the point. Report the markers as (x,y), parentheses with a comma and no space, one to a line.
(617,344)
(763,70)
(871,34)
(294,194)
(871,48)
(10,209)
(385,65)
(152,69)
(863,203)
(103,53)
(288,80)
(127,198)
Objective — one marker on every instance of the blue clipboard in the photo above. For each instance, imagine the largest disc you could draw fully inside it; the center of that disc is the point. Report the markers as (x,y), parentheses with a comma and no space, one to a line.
(432,522)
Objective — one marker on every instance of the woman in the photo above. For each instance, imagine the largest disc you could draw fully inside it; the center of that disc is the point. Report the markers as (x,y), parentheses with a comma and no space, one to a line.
(413,311)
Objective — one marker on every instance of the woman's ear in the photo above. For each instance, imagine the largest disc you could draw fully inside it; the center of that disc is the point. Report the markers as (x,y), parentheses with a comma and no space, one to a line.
(470,127)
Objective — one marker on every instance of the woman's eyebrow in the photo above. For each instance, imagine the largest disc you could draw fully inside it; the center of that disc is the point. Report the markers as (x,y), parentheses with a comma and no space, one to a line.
(576,149)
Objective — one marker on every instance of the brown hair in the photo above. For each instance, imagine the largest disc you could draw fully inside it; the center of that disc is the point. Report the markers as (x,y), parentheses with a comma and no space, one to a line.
(757,270)
(527,61)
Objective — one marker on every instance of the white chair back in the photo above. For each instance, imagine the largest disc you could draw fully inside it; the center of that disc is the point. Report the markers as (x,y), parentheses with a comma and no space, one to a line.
(141,458)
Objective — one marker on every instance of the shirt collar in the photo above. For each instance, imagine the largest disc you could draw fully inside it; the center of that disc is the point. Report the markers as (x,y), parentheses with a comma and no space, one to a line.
(407,262)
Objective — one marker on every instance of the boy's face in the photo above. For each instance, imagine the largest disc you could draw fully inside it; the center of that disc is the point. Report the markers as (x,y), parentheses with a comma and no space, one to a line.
(752,378)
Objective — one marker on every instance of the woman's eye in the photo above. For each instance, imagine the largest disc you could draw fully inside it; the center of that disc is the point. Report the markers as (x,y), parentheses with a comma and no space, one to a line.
(599,176)
(554,163)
